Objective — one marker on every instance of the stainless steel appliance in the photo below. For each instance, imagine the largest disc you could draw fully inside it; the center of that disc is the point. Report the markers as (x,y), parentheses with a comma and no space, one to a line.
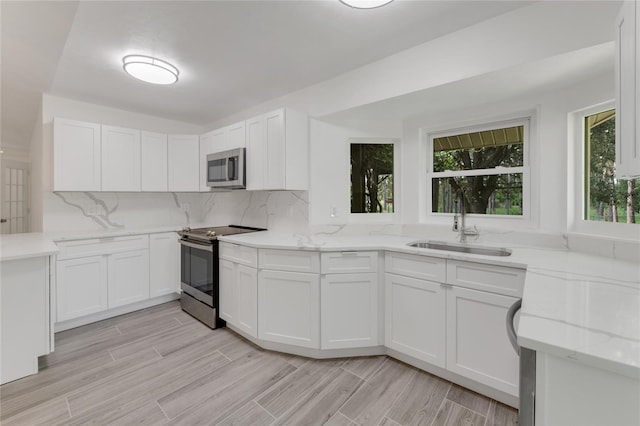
(527,409)
(226,169)
(199,270)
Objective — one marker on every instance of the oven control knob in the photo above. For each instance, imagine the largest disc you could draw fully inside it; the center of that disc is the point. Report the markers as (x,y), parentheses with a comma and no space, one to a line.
(186,229)
(211,233)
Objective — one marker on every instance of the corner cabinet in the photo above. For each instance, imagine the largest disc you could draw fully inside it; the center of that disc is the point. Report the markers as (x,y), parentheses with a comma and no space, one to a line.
(278,151)
(77,155)
(628,90)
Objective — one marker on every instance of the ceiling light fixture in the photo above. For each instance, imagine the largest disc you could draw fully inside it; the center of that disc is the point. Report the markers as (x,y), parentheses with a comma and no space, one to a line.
(365,4)
(149,69)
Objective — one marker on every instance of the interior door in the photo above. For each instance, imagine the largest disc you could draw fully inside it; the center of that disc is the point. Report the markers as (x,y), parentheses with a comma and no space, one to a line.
(14,193)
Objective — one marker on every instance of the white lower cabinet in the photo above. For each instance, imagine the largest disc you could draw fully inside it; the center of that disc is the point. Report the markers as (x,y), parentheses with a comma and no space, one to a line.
(289,308)
(81,287)
(239,296)
(97,275)
(128,277)
(415,318)
(449,325)
(349,310)
(477,343)
(164,264)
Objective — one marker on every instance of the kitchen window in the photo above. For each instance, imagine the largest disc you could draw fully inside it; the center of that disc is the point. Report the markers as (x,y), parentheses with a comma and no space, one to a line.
(372,177)
(606,197)
(485,167)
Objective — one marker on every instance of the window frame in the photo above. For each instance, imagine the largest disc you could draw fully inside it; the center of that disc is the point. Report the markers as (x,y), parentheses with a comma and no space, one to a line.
(485,125)
(365,218)
(577,180)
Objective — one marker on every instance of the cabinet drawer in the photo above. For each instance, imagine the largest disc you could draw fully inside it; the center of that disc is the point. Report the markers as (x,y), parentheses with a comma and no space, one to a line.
(289,260)
(346,262)
(423,267)
(239,254)
(494,279)
(98,246)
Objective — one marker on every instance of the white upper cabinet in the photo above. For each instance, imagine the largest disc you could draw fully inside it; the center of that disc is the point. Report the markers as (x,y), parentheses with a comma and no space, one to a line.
(76,155)
(153,162)
(236,135)
(184,168)
(120,159)
(628,90)
(278,151)
(206,148)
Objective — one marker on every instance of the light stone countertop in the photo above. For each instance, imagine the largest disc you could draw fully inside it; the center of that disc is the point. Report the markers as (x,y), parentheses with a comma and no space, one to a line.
(578,306)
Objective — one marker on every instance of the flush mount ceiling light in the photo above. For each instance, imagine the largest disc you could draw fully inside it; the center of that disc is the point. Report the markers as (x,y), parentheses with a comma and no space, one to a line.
(149,69)
(365,4)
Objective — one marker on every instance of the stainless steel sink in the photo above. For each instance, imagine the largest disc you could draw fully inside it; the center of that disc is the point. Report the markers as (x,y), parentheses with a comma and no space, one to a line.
(462,248)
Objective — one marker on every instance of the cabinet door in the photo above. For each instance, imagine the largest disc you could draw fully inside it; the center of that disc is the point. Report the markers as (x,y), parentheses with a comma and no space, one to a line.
(274,142)
(220,139)
(477,343)
(255,154)
(128,277)
(206,148)
(236,135)
(228,293)
(289,308)
(164,264)
(247,299)
(76,155)
(81,287)
(627,91)
(349,310)
(120,159)
(184,168)
(153,175)
(415,318)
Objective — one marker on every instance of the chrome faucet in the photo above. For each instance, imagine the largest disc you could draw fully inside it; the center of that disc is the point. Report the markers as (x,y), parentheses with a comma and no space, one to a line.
(460,227)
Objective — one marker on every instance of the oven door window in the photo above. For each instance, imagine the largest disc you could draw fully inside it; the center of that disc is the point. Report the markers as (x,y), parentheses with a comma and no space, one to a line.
(197,273)
(217,170)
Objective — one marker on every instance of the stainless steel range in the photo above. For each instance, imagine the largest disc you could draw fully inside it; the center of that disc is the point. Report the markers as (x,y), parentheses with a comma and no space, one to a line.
(199,271)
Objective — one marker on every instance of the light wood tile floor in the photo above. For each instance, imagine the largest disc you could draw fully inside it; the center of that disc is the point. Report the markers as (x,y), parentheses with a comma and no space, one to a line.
(160,366)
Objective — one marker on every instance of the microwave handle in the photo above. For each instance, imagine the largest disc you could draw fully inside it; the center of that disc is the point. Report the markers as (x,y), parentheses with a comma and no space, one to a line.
(231,168)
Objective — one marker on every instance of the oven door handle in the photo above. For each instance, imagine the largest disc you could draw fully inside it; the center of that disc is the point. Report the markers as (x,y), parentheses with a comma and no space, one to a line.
(205,247)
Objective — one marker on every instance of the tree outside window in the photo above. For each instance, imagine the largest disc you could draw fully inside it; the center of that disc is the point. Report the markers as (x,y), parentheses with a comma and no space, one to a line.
(607,198)
(484,169)
(372,178)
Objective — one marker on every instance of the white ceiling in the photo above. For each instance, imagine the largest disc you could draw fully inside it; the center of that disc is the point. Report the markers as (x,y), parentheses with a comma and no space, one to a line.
(231,54)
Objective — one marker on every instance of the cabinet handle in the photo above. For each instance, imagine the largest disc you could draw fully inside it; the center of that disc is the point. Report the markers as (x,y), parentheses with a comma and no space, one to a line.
(445,285)
(349,253)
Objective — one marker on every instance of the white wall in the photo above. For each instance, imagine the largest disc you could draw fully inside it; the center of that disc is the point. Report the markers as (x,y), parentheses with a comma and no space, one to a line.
(37,169)
(548,150)
(329,166)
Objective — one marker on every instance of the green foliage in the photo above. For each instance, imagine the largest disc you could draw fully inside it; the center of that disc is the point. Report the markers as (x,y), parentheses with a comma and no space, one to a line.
(605,190)
(371,178)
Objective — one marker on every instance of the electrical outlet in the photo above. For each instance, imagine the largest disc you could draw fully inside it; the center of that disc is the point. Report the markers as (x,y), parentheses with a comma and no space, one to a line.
(333,212)
(185,207)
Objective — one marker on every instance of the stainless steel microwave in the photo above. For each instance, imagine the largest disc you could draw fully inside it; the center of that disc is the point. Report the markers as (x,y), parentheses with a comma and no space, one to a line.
(226,169)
